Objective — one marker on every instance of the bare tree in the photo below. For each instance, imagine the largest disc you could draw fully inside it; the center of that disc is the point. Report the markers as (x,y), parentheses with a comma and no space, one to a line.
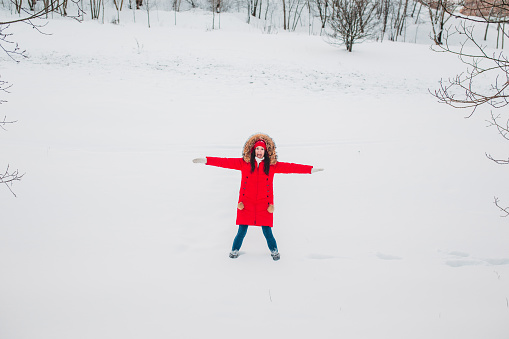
(292,10)
(440,11)
(18,5)
(284,15)
(147,6)
(383,11)
(31,4)
(469,89)
(270,7)
(213,2)
(192,3)
(295,8)
(219,6)
(391,15)
(95,8)
(118,7)
(176,8)
(63,8)
(254,7)
(351,21)
(398,19)
(118,4)
(322,6)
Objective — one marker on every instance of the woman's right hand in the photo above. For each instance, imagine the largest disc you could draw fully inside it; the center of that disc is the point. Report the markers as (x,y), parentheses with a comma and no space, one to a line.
(200,160)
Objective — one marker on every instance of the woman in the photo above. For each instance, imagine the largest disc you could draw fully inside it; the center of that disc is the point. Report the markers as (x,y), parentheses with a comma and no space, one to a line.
(256,199)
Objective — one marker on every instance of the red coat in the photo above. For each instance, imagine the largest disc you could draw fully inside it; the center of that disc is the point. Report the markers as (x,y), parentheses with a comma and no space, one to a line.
(256,189)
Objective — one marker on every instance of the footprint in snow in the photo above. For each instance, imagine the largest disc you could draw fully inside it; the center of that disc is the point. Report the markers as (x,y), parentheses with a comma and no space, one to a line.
(387,256)
(459,259)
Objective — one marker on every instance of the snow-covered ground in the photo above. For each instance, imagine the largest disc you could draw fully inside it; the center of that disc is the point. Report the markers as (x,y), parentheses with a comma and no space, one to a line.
(115,233)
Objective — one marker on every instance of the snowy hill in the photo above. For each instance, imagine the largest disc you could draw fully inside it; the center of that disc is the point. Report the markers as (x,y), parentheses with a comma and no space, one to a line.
(115,233)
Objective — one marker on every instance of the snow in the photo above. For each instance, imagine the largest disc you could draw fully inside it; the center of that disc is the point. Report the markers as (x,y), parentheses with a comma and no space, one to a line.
(116,233)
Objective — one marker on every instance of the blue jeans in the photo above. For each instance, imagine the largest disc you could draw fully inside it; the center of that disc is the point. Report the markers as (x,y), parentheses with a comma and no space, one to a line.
(267,232)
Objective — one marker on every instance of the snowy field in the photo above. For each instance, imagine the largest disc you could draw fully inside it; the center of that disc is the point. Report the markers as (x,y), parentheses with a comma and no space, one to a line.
(115,233)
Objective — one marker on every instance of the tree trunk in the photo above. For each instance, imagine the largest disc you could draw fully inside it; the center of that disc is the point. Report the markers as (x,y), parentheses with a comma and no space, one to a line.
(255,5)
(284,15)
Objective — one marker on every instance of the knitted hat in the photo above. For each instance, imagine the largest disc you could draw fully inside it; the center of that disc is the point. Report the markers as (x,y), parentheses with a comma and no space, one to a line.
(260,143)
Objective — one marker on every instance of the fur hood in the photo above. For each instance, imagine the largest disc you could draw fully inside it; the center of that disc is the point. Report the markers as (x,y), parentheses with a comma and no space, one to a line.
(271,147)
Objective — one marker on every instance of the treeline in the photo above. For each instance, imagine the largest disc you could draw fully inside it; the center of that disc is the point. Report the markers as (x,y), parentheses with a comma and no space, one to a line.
(342,21)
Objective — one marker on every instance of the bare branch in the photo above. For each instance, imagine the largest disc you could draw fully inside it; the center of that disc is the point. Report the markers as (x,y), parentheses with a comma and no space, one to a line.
(504,210)
(486,79)
(4,87)
(498,161)
(5,122)
(9,47)
(12,50)
(53,6)
(483,11)
(464,91)
(8,178)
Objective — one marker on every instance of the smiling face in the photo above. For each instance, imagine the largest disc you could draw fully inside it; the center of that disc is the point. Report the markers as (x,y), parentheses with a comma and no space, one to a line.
(259,152)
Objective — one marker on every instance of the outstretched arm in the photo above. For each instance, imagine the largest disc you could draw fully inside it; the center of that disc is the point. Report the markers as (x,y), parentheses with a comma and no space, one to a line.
(231,163)
(288,167)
